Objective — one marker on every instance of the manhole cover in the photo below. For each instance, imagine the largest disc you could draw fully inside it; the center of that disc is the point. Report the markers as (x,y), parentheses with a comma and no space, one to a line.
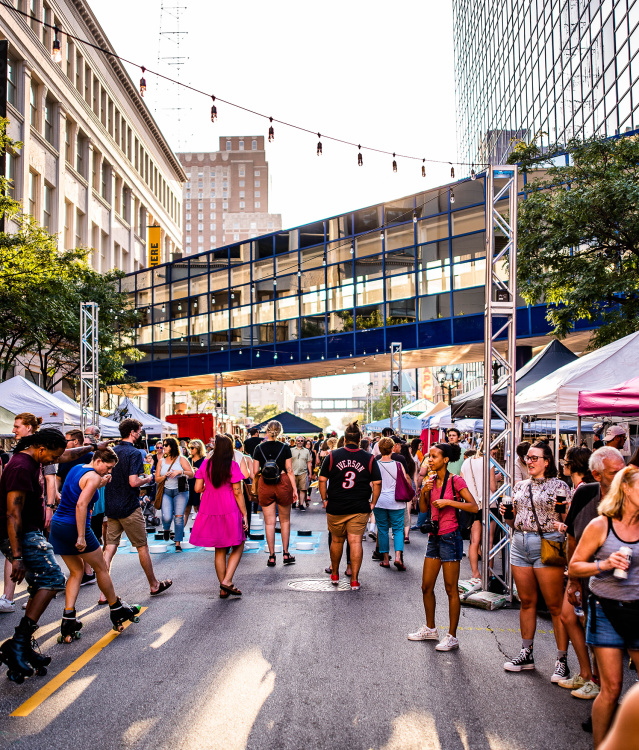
(320,584)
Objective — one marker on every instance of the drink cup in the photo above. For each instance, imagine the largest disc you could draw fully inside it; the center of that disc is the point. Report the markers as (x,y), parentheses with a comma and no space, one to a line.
(619,573)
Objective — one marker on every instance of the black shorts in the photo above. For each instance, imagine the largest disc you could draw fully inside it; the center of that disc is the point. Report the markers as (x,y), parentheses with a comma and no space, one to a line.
(63,537)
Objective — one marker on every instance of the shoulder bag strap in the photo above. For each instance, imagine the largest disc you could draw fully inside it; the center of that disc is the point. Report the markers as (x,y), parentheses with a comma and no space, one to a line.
(370,464)
(532,506)
(330,461)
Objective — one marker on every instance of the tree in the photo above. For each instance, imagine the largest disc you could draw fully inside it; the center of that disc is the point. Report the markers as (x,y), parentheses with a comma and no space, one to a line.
(41,288)
(260,414)
(321,422)
(578,235)
(348,418)
(200,397)
(381,405)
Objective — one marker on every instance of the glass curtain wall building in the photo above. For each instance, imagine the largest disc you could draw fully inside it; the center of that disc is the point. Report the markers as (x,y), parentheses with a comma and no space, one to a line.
(411,270)
(562,68)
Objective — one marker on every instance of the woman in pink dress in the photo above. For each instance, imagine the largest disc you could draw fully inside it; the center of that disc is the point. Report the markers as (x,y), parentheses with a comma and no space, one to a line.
(221,521)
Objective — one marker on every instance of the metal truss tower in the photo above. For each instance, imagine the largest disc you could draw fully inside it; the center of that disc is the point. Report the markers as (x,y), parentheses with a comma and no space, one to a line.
(396,387)
(499,323)
(89,373)
(170,20)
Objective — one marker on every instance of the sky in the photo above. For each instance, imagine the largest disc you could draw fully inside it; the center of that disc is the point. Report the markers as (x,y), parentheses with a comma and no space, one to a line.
(376,73)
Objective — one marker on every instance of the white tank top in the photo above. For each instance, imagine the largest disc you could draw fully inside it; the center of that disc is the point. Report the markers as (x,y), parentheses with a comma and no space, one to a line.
(388,470)
(172,482)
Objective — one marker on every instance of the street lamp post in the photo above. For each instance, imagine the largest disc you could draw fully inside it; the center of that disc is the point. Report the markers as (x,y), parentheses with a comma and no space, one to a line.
(449,380)
(369,402)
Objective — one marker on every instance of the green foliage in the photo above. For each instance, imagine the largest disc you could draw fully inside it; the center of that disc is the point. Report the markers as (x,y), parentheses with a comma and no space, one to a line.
(260,414)
(321,422)
(41,288)
(199,398)
(381,405)
(578,235)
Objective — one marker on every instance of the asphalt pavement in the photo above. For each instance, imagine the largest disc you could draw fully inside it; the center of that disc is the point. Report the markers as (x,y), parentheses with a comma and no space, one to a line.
(284,669)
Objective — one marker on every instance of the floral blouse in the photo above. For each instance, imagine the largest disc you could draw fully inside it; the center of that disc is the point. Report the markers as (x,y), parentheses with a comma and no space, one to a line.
(544,492)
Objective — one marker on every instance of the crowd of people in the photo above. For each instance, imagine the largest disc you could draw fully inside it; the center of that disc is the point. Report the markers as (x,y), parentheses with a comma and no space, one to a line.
(574,542)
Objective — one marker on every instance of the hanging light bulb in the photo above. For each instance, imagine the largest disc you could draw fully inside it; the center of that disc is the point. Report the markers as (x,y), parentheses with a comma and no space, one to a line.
(181,338)
(213,110)
(307,356)
(195,305)
(232,295)
(274,282)
(324,260)
(201,342)
(275,355)
(258,354)
(212,300)
(271,130)
(344,369)
(381,235)
(414,217)
(473,176)
(452,172)
(394,163)
(322,357)
(179,306)
(319,145)
(240,351)
(148,310)
(352,248)
(56,49)
(163,308)
(354,367)
(452,196)
(142,82)
(338,356)
(299,274)
(291,356)
(360,158)
(423,167)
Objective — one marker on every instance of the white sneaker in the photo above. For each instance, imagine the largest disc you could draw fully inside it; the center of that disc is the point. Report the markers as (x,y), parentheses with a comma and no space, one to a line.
(424,634)
(449,643)
(6,605)
(588,691)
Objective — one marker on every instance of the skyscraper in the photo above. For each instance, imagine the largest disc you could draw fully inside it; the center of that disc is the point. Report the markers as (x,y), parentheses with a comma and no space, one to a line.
(226,194)
(555,68)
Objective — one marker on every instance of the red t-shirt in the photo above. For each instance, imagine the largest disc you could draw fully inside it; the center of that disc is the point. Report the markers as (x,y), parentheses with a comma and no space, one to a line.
(447,516)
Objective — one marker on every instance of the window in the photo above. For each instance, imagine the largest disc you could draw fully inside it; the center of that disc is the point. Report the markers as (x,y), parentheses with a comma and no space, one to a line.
(253,145)
(33,105)
(242,194)
(241,204)
(104,180)
(257,172)
(200,240)
(11,174)
(257,193)
(79,67)
(188,216)
(68,147)
(236,237)
(228,145)
(79,228)
(257,204)
(70,57)
(200,227)
(12,82)
(256,183)
(241,183)
(48,121)
(48,204)
(33,194)
(79,154)
(87,84)
(34,16)
(225,205)
(242,171)
(241,145)
(211,227)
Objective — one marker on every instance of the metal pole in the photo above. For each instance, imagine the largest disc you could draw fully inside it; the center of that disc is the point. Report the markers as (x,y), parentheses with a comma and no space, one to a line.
(499,318)
(396,386)
(89,374)
(4,73)
(247,404)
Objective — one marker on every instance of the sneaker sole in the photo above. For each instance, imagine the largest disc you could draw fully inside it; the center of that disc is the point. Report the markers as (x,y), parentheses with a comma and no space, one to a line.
(425,638)
(583,697)
(519,669)
(448,648)
(556,678)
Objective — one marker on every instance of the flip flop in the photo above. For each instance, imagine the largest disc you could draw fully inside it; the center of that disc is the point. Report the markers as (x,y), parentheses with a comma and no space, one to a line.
(224,594)
(399,565)
(231,589)
(164,585)
(102,603)
(384,565)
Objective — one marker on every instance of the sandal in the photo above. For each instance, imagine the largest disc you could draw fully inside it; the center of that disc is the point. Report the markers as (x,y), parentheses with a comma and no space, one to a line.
(288,559)
(271,562)
(399,565)
(224,594)
(102,603)
(164,585)
(231,589)
(384,565)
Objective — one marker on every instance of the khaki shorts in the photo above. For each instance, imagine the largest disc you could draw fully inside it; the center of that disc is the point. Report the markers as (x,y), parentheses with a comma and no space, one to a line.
(133,526)
(353,523)
(301,482)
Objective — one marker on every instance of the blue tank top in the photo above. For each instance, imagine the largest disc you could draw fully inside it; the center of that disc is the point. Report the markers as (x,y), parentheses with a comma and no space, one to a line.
(71,492)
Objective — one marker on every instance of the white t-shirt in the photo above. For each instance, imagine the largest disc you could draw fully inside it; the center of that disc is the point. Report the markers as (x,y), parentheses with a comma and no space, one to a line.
(386,500)
(472,472)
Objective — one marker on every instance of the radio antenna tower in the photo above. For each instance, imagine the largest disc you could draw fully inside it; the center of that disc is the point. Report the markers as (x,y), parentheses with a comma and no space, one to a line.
(172,41)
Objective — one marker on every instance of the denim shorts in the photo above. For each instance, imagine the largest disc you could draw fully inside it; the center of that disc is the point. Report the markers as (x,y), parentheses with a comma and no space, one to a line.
(446,547)
(605,635)
(43,572)
(525,548)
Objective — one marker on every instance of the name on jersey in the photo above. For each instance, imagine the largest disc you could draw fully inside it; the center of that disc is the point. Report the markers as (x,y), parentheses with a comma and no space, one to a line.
(349,463)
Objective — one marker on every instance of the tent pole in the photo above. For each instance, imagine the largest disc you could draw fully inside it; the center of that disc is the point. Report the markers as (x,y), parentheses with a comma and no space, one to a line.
(557,440)
(578,431)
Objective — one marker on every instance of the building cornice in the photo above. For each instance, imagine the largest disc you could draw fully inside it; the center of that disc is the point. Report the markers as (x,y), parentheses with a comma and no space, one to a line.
(101,39)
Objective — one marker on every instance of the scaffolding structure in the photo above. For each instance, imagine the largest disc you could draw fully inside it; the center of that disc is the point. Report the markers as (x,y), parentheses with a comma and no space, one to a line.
(218,395)
(396,386)
(499,324)
(89,372)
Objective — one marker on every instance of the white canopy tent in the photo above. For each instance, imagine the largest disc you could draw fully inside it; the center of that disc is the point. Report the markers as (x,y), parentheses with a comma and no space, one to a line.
(558,393)
(152,425)
(56,410)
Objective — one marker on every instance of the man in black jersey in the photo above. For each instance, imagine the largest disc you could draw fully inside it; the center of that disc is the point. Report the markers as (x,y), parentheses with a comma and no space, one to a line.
(348,478)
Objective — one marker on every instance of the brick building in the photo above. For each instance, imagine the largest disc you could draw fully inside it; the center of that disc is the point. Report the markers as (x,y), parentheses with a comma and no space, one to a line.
(226,194)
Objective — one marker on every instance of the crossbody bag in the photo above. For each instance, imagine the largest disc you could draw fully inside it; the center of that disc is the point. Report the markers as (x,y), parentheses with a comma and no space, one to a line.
(552,553)
(159,488)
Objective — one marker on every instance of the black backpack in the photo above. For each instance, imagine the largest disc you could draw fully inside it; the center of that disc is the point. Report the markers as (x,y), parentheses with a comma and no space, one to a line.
(271,473)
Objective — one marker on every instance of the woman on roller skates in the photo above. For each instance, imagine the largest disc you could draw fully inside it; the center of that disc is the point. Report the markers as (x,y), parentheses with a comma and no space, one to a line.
(22,518)
(72,538)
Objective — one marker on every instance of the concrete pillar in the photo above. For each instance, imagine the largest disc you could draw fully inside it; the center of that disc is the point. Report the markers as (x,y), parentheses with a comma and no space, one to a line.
(22,180)
(523,354)
(60,211)
(156,401)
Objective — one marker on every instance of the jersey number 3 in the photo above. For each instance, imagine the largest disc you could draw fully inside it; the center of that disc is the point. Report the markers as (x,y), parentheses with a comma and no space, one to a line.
(349,480)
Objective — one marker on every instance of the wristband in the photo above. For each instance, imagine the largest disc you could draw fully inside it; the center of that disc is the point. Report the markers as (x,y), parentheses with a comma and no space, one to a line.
(597,564)
(18,558)
(50,505)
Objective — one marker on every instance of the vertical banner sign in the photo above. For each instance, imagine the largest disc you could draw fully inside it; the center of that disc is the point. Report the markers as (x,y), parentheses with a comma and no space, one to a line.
(154,240)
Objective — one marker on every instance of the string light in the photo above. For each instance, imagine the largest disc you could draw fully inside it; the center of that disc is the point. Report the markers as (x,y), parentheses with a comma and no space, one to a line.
(163,308)
(179,306)
(414,217)
(258,354)
(423,167)
(452,172)
(56,49)
(213,110)
(319,145)
(394,163)
(307,356)
(352,248)
(299,274)
(112,55)
(271,130)
(452,196)
(473,176)
(360,158)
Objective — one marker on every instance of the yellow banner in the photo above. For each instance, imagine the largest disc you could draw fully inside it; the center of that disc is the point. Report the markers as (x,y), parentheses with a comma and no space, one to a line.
(154,242)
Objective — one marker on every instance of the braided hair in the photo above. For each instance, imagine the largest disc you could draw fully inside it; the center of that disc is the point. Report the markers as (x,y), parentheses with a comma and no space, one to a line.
(49,438)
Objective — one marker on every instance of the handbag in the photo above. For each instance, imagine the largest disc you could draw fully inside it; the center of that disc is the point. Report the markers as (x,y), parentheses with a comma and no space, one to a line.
(552,553)
(403,491)
(159,488)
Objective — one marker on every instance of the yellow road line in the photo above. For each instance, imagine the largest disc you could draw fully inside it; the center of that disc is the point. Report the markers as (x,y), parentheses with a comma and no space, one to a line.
(56,682)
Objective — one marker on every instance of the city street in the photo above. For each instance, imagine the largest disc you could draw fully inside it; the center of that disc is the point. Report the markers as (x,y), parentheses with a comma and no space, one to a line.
(283,668)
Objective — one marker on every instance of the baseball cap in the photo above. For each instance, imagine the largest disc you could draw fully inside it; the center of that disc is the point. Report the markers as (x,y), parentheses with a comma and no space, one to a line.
(612,432)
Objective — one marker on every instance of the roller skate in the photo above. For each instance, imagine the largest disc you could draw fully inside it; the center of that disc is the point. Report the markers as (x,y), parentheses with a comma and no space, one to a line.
(35,657)
(16,651)
(69,627)
(121,612)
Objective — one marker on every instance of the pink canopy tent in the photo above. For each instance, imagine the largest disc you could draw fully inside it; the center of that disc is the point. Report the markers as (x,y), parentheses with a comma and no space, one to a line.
(619,401)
